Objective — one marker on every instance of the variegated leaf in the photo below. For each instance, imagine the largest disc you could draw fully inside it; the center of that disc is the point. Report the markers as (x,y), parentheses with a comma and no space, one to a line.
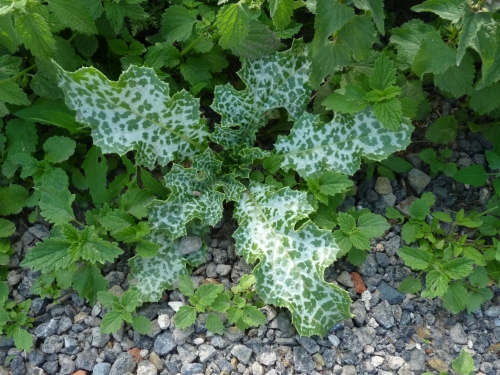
(151,276)
(313,146)
(291,266)
(193,196)
(136,113)
(280,80)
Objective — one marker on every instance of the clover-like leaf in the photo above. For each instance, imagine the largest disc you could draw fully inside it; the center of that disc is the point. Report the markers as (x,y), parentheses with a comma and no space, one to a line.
(291,264)
(280,80)
(339,145)
(136,113)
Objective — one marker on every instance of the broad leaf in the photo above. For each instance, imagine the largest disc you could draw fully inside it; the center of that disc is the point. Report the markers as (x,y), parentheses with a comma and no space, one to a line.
(291,263)
(417,259)
(88,281)
(58,149)
(450,10)
(463,364)
(434,55)
(443,130)
(214,324)
(7,228)
(233,23)
(56,205)
(331,16)
(12,199)
(474,175)
(142,325)
(34,32)
(136,113)
(178,22)
(280,80)
(49,255)
(455,298)
(185,317)
(111,322)
(340,144)
(408,38)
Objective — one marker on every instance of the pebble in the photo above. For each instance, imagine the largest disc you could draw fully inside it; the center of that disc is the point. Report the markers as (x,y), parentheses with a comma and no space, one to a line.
(383,185)
(146,368)
(267,357)
(257,369)
(99,339)
(124,363)
(102,368)
(242,352)
(189,245)
(390,294)
(164,343)
(163,321)
(192,369)
(383,315)
(302,360)
(457,334)
(86,360)
(52,344)
(45,330)
(492,311)
(175,305)
(418,180)
(206,352)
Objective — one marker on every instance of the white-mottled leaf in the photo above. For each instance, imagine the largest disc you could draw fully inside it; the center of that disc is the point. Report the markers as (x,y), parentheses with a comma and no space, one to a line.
(291,266)
(313,146)
(280,80)
(136,113)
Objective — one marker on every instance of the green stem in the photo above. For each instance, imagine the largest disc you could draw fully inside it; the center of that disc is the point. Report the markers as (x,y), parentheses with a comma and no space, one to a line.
(72,37)
(191,46)
(16,76)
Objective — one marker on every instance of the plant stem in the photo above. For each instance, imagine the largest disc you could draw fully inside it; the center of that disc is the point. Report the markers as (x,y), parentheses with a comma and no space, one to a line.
(16,76)
(190,47)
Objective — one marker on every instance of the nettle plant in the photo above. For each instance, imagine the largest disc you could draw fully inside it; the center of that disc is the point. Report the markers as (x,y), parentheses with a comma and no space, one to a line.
(137,113)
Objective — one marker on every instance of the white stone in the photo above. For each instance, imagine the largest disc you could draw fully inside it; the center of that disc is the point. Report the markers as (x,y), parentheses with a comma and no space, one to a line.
(377,360)
(144,353)
(394,362)
(198,341)
(164,320)
(334,340)
(146,368)
(175,305)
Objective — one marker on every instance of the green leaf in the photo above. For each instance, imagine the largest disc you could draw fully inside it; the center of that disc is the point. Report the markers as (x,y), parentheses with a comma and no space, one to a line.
(253,316)
(177,23)
(56,205)
(146,249)
(486,99)
(442,216)
(137,104)
(451,10)
(331,183)
(135,202)
(94,249)
(474,175)
(359,35)
(392,213)
(372,225)
(130,300)
(384,73)
(477,298)
(183,204)
(331,16)
(397,164)
(479,277)
(349,99)
(10,92)
(34,32)
(410,285)
(408,38)
(153,184)
(313,146)
(262,40)
(21,136)
(415,258)
(186,286)
(281,12)
(115,13)
(434,55)
(287,87)
(346,222)
(214,324)
(457,80)
(389,112)
(108,299)
(7,228)
(330,58)
(419,209)
(471,22)
(142,325)
(185,317)
(195,70)
(22,339)
(376,7)
(234,314)
(88,281)
(95,168)
(436,284)
(233,24)
(8,36)
(443,130)
(359,240)
(50,255)
(111,322)
(116,221)
(475,255)
(207,293)
(463,364)
(266,232)
(455,298)
(458,268)
(73,14)
(12,199)
(221,303)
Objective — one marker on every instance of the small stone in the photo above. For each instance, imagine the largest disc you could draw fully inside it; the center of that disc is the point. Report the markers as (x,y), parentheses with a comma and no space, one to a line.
(164,343)
(388,200)
(383,315)
(51,367)
(382,259)
(81,372)
(124,363)
(13,278)
(369,266)
(267,356)
(334,340)
(45,330)
(163,321)
(96,310)
(155,360)
(242,352)
(349,370)
(223,269)
(404,206)
(423,332)
(102,368)
(318,359)
(36,357)
(418,180)
(17,366)
(383,185)
(303,361)
(117,290)
(492,311)
(458,335)
(64,325)
(146,368)
(189,245)
(52,345)
(86,359)
(377,361)
(67,365)
(175,305)
(182,335)
(257,369)
(192,369)
(80,317)
(308,344)
(70,345)
(395,363)
(206,352)
(233,334)
(99,339)
(389,294)
(198,341)
(437,364)
(136,354)
(345,279)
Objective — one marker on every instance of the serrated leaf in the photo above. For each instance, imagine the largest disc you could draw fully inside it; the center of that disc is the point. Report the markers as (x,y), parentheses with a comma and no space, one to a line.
(455,298)
(232,23)
(463,364)
(442,216)
(359,240)
(331,16)
(58,149)
(471,22)
(397,164)
(135,202)
(214,324)
(479,277)
(410,285)
(458,268)
(281,12)
(7,228)
(185,317)
(411,231)
(436,284)
(195,70)
(475,255)
(95,168)
(116,221)
(56,205)
(389,112)
(177,23)
(415,258)
(376,7)
(186,286)
(260,42)
(22,339)
(111,322)
(10,92)
(108,299)
(12,199)
(474,175)
(419,209)
(146,249)
(349,99)
(359,35)
(73,14)
(142,325)
(330,58)
(346,222)
(130,300)
(253,316)
(372,225)
(92,248)
(486,99)
(115,14)
(443,130)
(138,103)
(286,87)
(221,303)
(184,204)
(477,298)
(384,73)
(8,36)
(457,80)
(88,281)
(338,145)
(207,293)
(408,38)
(434,55)
(34,32)
(266,232)
(50,255)
(450,10)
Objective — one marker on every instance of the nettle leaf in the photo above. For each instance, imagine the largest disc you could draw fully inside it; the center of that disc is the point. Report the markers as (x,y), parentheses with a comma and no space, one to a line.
(193,196)
(291,264)
(313,146)
(408,37)
(136,113)
(280,80)
(7,228)
(177,23)
(434,55)
(233,24)
(88,281)
(58,149)
(56,205)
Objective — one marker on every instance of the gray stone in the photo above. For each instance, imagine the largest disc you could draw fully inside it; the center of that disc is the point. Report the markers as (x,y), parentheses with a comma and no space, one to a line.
(395,363)
(146,368)
(242,352)
(52,344)
(359,312)
(233,334)
(190,245)
(383,315)
(45,330)
(206,352)
(382,259)
(418,180)
(67,365)
(65,324)
(349,370)
(223,269)
(38,305)
(70,345)
(17,366)
(86,359)
(267,356)
(371,196)
(415,360)
(392,245)
(369,266)
(36,357)
(187,353)
(345,279)
(308,344)
(492,311)
(389,294)
(192,369)
(124,363)
(458,335)
(92,321)
(102,368)
(383,185)
(181,335)
(257,369)
(164,343)
(163,321)
(115,278)
(464,162)
(99,339)
(387,200)
(51,367)
(404,206)
(303,361)
(40,231)
(219,342)
(33,371)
